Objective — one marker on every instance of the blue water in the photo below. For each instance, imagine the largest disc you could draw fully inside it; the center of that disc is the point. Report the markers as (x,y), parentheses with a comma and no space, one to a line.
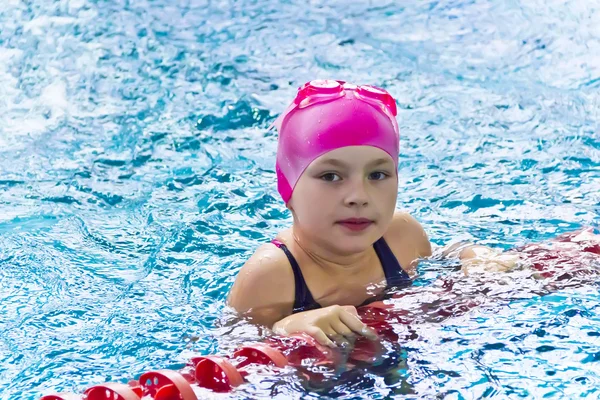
(136,176)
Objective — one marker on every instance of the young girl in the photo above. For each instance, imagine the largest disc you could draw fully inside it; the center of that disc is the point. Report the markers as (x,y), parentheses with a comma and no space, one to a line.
(337,172)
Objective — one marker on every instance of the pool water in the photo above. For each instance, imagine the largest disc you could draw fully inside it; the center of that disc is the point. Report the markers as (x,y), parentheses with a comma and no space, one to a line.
(137,175)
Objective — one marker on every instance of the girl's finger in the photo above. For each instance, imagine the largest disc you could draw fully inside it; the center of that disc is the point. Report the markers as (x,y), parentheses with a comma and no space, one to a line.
(356,325)
(341,329)
(339,339)
(350,309)
(320,336)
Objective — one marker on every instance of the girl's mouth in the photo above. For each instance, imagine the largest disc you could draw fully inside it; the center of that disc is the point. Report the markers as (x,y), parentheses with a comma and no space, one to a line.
(356,224)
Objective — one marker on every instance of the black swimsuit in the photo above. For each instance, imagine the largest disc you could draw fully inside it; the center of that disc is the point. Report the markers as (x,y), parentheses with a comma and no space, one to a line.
(394,275)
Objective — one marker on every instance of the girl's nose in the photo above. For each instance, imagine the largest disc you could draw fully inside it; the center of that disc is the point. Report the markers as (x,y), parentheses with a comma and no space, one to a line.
(357,195)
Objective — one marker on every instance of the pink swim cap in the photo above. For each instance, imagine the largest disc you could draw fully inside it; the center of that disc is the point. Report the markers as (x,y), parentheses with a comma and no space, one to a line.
(327,115)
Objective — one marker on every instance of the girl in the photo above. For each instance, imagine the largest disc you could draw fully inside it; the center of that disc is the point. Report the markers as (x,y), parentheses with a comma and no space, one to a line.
(337,172)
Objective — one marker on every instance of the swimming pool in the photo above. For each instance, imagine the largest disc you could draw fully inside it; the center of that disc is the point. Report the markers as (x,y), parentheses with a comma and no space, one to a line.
(136,175)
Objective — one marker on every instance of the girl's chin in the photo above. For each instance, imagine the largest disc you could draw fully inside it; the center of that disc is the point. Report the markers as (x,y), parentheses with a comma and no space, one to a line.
(349,244)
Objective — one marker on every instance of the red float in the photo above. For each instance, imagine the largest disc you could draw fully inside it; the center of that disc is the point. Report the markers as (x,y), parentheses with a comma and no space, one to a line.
(568,256)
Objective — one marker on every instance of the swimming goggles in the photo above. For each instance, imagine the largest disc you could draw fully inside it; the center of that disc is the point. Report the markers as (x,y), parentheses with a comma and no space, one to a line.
(324,90)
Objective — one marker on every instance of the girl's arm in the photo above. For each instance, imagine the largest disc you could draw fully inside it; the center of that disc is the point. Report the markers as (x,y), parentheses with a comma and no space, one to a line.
(476,258)
(413,244)
(264,292)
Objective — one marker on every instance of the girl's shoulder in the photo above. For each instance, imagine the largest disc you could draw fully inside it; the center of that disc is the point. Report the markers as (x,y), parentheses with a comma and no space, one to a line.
(264,287)
(407,239)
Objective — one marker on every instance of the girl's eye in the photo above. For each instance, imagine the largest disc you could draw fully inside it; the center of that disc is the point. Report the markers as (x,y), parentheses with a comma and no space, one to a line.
(330,177)
(377,176)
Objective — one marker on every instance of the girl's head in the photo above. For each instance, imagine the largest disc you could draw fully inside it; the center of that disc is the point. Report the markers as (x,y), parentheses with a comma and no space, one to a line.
(337,162)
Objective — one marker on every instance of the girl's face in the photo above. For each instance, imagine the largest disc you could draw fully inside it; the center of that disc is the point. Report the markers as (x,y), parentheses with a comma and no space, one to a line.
(345,199)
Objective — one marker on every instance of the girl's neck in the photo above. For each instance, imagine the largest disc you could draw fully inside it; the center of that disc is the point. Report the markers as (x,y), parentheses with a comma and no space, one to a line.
(328,259)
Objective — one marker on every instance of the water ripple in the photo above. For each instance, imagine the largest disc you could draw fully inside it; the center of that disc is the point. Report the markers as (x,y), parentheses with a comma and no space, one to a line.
(137,175)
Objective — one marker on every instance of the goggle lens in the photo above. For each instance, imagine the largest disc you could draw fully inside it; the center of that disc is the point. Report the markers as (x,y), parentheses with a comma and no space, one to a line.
(326,88)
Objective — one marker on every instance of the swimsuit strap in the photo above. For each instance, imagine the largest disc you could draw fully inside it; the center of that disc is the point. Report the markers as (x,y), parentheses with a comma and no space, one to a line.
(304,300)
(395,275)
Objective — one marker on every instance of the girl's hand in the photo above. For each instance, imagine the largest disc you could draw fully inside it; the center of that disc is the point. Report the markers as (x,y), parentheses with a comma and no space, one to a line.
(326,325)
(479,259)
